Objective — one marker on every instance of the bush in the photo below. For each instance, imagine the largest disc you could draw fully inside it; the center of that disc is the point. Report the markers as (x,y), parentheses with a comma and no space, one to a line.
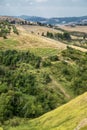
(58,36)
(5,107)
(46,63)
(15,30)
(12,57)
(66,36)
(3,88)
(50,35)
(45,78)
(54,58)
(14,122)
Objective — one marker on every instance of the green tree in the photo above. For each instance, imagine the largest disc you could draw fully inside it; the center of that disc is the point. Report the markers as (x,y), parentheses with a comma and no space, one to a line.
(66,36)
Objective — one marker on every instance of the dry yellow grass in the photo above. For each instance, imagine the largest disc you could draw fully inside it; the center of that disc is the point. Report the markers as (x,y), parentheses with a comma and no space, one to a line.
(77,28)
(29,40)
(40,29)
(79,48)
(26,40)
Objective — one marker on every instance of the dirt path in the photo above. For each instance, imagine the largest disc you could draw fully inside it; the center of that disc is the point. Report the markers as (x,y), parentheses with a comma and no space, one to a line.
(82,124)
(60,87)
(79,48)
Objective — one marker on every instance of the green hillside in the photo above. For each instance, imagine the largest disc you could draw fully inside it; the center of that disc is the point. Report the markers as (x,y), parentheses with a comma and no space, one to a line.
(32,85)
(66,117)
(38,75)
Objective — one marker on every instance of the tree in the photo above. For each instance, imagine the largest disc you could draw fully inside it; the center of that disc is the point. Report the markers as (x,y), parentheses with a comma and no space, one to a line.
(59,36)
(50,35)
(66,36)
(42,33)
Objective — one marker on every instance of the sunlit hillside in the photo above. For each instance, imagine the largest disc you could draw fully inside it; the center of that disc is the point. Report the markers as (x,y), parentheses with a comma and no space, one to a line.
(71,116)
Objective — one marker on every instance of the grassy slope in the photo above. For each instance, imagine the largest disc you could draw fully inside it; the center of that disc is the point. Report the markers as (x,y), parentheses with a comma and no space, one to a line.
(84,128)
(30,40)
(27,40)
(66,117)
(40,29)
(45,47)
(77,28)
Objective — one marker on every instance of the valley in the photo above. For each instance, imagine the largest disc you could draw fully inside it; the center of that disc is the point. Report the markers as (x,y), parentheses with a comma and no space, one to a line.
(43,79)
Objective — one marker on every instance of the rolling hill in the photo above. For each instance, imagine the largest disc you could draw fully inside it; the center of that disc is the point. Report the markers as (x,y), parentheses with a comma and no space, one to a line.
(28,40)
(56,21)
(71,116)
(37,75)
(11,19)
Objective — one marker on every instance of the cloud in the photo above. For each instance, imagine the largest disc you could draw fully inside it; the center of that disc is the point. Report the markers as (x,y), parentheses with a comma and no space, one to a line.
(44,8)
(8,4)
(41,1)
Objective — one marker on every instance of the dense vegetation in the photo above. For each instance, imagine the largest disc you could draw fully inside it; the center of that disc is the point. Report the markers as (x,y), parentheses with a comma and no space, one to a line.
(72,71)
(6,28)
(71,116)
(24,86)
(59,36)
(39,80)
(27,81)
(73,38)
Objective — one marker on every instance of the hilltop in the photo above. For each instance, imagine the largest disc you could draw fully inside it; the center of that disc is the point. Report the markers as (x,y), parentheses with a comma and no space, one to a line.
(11,19)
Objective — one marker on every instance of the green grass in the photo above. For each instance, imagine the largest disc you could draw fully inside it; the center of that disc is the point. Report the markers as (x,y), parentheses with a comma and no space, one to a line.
(84,128)
(11,43)
(44,52)
(8,43)
(66,117)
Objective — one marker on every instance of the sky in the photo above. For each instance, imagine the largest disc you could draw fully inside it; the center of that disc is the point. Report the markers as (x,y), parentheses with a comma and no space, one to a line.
(44,8)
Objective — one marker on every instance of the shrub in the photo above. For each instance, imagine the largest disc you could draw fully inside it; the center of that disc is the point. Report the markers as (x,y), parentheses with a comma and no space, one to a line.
(54,58)
(46,63)
(14,122)
(50,35)
(66,36)
(45,78)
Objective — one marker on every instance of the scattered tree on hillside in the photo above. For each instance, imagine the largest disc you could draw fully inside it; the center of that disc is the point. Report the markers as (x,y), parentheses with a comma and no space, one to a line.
(50,35)
(6,28)
(66,36)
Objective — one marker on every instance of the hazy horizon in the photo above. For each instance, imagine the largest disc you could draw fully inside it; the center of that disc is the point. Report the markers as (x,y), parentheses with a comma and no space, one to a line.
(44,8)
(42,16)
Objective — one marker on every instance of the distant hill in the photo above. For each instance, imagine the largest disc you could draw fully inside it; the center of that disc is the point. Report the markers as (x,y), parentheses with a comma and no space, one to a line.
(33,18)
(11,19)
(55,21)
(17,20)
